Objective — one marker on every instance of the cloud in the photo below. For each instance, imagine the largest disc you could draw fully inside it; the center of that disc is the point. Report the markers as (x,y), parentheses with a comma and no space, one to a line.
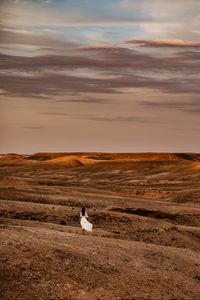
(64,14)
(85,100)
(132,119)
(29,37)
(111,71)
(165,43)
(144,18)
(192,106)
(97,118)
(161,10)
(100,58)
(103,46)
(51,85)
(169,19)
(54,84)
(54,114)
(84,21)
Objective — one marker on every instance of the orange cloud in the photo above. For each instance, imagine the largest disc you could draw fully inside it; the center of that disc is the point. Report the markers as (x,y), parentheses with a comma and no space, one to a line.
(165,43)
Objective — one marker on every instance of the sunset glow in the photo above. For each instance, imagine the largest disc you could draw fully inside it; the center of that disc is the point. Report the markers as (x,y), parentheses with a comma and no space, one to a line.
(109,75)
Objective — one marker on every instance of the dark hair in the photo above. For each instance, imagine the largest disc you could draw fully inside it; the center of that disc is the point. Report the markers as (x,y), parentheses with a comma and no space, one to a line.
(83,211)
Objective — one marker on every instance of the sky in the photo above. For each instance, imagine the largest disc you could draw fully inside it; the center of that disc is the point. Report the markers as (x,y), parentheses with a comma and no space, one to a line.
(107,76)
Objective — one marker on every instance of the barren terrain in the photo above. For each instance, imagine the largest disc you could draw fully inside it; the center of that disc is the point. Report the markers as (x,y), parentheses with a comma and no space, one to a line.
(145,209)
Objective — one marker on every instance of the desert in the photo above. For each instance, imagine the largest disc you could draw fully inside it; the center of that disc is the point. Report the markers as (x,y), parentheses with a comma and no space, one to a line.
(99,150)
(145,212)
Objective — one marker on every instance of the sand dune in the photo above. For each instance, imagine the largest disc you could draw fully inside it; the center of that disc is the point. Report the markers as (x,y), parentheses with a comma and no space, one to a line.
(11,156)
(119,156)
(196,166)
(73,160)
(91,157)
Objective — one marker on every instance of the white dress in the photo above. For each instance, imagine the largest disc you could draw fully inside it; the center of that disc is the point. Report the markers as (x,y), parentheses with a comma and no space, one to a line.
(84,222)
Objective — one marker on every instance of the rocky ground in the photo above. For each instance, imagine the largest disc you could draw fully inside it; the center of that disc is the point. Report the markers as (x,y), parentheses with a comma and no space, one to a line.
(146,216)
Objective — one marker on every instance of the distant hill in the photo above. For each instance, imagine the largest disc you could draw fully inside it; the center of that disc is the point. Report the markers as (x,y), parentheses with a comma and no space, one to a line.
(11,156)
(95,156)
(84,158)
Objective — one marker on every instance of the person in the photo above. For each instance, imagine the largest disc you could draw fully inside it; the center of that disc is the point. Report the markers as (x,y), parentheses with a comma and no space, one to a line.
(83,220)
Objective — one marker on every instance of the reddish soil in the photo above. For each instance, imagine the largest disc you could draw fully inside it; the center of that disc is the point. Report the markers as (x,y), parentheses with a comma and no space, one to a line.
(145,209)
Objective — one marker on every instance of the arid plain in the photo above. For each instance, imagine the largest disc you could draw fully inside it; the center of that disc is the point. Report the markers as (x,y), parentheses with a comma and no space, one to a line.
(145,209)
